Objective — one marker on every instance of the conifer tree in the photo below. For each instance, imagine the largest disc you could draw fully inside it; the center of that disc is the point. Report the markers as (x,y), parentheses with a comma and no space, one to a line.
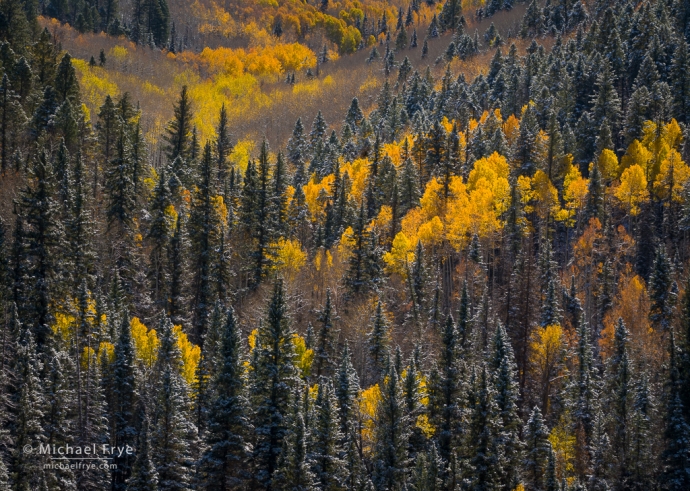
(378,344)
(659,286)
(123,402)
(390,459)
(347,389)
(44,237)
(325,349)
(144,476)
(228,422)
(482,435)
(204,241)
(537,450)
(28,472)
(293,469)
(274,376)
(172,431)
(445,394)
(324,449)
(676,453)
(179,131)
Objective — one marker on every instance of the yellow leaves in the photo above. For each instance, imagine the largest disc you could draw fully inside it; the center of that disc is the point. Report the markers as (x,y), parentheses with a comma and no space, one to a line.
(225,60)
(251,339)
(106,352)
(608,164)
(490,172)
(289,257)
(400,255)
(119,53)
(294,56)
(563,444)
(511,128)
(94,83)
(382,220)
(146,342)
(191,354)
(171,217)
(636,154)
(545,194)
(431,232)
(632,190)
(423,424)
(575,188)
(673,174)
(241,153)
(369,400)
(63,326)
(347,243)
(219,208)
(305,357)
(432,199)
(392,150)
(313,190)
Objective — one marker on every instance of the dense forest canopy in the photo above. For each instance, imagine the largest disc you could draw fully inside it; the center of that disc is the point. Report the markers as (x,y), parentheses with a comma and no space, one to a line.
(345,245)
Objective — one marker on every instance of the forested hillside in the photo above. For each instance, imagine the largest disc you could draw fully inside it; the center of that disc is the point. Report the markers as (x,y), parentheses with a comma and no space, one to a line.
(344,245)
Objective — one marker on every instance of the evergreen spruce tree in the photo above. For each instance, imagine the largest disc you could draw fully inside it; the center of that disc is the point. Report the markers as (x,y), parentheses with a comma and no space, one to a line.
(170,440)
(144,476)
(274,376)
(324,363)
(377,344)
(445,393)
(28,471)
(293,468)
(660,310)
(537,450)
(390,459)
(44,238)
(123,402)
(676,453)
(482,435)
(347,389)
(325,440)
(179,131)
(228,423)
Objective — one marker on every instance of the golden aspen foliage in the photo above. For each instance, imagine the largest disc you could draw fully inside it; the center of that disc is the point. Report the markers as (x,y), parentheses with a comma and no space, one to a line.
(632,190)
(491,172)
(312,191)
(347,243)
(305,357)
(191,354)
(106,352)
(575,188)
(457,216)
(432,199)
(289,257)
(673,174)
(94,83)
(563,441)
(251,339)
(545,195)
(146,342)
(358,170)
(608,164)
(511,128)
(431,232)
(240,154)
(547,351)
(636,154)
(369,400)
(382,221)
(632,304)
